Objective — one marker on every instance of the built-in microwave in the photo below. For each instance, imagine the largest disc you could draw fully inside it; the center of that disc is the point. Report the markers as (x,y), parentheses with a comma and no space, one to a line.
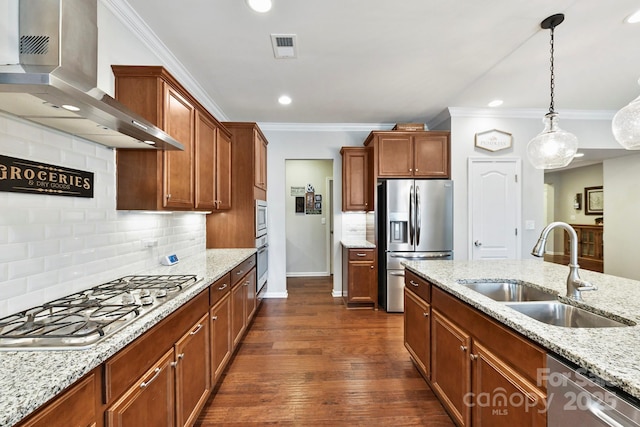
(261,218)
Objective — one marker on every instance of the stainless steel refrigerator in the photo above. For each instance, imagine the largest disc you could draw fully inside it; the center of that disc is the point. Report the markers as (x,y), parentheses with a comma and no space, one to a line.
(415,222)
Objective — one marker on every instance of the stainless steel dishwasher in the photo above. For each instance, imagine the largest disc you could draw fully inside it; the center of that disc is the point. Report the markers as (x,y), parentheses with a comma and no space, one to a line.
(576,398)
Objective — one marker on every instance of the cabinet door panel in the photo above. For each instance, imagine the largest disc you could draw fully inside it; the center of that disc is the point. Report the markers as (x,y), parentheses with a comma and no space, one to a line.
(417,331)
(223,171)
(193,378)
(220,337)
(355,163)
(395,156)
(178,179)
(502,397)
(238,316)
(205,161)
(450,367)
(260,162)
(361,277)
(431,156)
(150,402)
(250,284)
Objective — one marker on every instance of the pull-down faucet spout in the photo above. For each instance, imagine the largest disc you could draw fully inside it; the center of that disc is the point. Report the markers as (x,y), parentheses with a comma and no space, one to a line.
(574,283)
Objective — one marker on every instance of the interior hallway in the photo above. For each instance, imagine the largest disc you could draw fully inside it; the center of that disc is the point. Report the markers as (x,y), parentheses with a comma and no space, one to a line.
(308,361)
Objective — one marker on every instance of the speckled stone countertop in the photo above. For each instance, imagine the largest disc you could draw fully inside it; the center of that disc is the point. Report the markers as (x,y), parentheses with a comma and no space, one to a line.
(28,379)
(611,353)
(357,244)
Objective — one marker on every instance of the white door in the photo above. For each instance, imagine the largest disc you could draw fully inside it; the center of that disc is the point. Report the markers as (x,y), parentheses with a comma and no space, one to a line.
(494,208)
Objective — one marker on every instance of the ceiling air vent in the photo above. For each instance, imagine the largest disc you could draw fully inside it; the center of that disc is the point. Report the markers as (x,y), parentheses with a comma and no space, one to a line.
(34,45)
(284,45)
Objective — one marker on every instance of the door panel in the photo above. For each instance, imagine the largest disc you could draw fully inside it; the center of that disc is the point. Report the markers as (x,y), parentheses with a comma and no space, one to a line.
(434,215)
(494,209)
(398,215)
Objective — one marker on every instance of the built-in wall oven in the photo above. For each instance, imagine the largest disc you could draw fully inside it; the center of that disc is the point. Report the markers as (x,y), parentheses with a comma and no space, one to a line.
(262,245)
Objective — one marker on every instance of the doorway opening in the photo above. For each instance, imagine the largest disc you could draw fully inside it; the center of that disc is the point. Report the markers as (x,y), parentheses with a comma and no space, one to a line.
(308,217)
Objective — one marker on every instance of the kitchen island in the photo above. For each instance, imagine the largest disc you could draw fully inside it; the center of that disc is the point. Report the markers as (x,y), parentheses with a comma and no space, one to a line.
(610,353)
(30,378)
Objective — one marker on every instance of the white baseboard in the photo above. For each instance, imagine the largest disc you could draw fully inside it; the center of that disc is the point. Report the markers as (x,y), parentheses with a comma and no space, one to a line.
(283,294)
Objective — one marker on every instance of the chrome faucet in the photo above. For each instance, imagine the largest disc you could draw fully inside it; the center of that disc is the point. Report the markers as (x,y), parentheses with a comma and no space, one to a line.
(574,283)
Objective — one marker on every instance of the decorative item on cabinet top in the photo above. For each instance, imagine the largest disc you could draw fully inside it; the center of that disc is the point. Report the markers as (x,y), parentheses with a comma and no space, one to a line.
(409,126)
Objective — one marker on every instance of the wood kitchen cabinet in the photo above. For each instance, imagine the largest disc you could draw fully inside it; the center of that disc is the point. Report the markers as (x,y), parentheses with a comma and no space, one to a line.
(243,298)
(417,154)
(357,186)
(172,179)
(417,331)
(221,346)
(75,407)
(192,369)
(359,278)
(482,372)
(212,165)
(151,401)
(236,228)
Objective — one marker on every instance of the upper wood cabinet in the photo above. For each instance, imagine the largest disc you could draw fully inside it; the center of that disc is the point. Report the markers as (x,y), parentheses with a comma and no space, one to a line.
(259,161)
(236,228)
(357,194)
(419,154)
(196,178)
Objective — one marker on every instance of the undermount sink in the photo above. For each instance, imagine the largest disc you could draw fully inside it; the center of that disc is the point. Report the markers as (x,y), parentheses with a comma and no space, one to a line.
(557,313)
(512,291)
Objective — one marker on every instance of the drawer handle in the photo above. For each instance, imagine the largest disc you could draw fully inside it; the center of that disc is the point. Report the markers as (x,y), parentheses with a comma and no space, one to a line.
(196,330)
(146,383)
(412,283)
(240,272)
(361,254)
(222,287)
(214,318)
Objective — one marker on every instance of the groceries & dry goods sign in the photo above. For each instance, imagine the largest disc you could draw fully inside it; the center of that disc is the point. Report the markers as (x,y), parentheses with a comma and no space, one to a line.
(25,176)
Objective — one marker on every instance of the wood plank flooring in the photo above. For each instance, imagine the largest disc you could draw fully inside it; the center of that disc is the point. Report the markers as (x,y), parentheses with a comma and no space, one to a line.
(308,361)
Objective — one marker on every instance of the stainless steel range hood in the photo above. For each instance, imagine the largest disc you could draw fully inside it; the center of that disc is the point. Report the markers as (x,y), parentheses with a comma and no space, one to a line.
(55,82)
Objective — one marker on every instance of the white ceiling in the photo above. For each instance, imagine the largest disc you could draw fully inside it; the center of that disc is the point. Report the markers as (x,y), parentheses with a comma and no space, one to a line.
(375,61)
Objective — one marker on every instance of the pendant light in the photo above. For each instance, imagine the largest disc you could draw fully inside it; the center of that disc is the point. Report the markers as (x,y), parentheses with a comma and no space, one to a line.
(626,125)
(553,148)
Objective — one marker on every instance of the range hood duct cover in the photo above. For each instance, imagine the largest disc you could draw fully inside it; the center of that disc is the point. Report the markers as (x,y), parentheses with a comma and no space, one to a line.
(58,68)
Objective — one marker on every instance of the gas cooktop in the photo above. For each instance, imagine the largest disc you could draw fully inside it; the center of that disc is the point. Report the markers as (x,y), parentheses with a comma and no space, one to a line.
(83,319)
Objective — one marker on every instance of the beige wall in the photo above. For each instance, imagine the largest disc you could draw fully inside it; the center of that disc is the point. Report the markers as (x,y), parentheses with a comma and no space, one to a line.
(566,184)
(622,210)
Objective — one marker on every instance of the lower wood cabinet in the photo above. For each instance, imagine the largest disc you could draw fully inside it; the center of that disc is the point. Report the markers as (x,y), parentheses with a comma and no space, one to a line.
(484,373)
(417,331)
(76,407)
(243,305)
(221,346)
(359,278)
(193,377)
(150,402)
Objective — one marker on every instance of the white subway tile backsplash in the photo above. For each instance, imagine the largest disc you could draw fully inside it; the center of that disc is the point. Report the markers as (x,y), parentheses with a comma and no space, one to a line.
(60,245)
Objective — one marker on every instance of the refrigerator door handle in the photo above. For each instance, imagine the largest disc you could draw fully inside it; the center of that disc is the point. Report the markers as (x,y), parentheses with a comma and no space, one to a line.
(423,256)
(418,216)
(411,231)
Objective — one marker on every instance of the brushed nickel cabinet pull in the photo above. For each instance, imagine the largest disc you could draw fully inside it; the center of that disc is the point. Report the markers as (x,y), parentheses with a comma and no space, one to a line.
(196,330)
(146,383)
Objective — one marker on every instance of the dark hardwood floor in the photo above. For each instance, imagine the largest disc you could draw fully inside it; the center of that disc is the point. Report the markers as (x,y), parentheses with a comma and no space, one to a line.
(308,361)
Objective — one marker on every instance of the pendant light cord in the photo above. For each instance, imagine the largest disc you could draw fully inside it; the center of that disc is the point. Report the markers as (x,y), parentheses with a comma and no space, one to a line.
(552,83)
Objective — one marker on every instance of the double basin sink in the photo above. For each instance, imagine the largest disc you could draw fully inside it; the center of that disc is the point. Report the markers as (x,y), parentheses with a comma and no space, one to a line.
(540,304)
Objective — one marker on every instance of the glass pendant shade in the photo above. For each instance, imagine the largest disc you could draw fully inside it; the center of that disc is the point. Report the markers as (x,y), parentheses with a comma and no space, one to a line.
(626,125)
(553,148)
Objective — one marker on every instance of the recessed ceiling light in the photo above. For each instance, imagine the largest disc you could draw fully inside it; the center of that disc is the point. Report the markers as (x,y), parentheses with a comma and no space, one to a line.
(495,103)
(261,6)
(634,18)
(578,155)
(284,100)
(70,107)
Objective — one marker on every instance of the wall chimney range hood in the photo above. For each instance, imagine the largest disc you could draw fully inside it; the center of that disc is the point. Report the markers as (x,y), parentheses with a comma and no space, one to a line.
(55,83)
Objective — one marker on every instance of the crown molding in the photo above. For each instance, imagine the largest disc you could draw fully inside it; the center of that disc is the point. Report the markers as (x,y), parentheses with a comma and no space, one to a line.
(529,113)
(123,11)
(325,127)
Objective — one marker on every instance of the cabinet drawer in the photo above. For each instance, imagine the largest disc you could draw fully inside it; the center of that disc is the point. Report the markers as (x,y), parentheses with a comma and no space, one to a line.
(361,254)
(219,288)
(418,285)
(242,269)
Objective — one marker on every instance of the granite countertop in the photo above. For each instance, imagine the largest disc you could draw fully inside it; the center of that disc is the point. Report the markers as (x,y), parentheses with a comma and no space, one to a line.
(611,353)
(357,244)
(29,379)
